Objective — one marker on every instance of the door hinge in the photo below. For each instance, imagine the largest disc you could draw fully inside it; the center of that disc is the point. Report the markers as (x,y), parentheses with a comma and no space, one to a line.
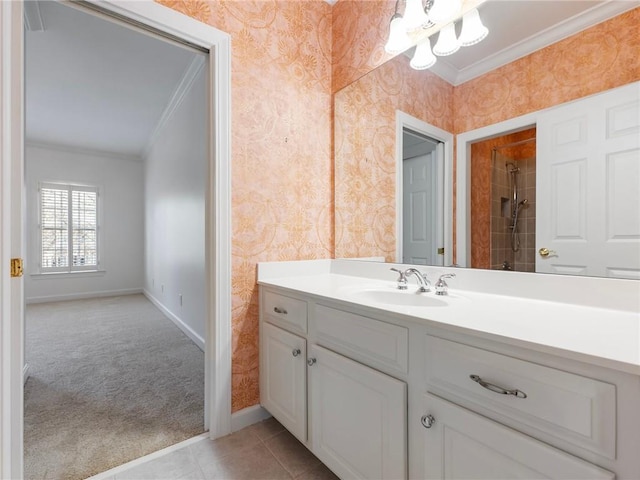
(441,251)
(16,267)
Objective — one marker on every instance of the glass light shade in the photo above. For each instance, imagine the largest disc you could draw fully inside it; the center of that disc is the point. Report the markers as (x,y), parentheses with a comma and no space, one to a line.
(414,15)
(473,31)
(423,58)
(444,10)
(398,40)
(447,41)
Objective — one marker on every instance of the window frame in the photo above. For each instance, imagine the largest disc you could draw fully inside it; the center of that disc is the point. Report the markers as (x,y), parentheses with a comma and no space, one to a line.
(70,188)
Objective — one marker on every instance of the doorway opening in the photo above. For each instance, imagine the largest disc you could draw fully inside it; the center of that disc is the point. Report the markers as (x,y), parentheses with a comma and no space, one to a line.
(422,199)
(217,213)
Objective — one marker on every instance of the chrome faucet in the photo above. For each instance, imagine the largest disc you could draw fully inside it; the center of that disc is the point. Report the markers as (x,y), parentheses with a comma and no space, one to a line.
(441,286)
(402,279)
(423,282)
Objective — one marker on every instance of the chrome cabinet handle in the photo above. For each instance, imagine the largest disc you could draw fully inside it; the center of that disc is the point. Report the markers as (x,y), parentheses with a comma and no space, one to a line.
(496,388)
(311,361)
(296,352)
(427,421)
(280,310)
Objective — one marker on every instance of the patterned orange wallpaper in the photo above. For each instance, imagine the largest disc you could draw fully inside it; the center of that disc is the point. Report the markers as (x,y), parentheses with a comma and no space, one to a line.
(282,197)
(360,29)
(599,58)
(365,164)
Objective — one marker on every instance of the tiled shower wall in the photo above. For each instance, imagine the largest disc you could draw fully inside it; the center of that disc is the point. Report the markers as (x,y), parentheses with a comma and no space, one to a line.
(502,254)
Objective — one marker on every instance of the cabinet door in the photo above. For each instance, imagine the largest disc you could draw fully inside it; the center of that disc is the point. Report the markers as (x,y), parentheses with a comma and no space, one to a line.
(358,418)
(283,378)
(462,444)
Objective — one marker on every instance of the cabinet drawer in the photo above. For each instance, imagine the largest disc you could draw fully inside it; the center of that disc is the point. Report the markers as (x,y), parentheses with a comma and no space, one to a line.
(460,444)
(373,342)
(570,407)
(289,313)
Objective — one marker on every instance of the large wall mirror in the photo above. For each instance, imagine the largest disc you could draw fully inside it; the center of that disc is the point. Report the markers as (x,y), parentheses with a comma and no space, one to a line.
(495,116)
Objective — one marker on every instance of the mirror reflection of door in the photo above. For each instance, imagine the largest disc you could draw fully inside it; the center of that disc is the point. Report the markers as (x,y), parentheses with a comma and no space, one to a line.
(422,199)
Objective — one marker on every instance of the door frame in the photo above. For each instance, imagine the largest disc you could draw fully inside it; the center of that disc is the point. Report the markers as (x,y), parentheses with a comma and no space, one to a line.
(217,216)
(463,176)
(405,120)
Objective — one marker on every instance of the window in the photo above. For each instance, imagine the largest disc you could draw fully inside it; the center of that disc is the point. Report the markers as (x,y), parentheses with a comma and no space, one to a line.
(68,228)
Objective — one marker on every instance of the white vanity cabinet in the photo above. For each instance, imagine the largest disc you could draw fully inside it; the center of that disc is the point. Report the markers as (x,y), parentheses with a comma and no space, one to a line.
(380,395)
(351,416)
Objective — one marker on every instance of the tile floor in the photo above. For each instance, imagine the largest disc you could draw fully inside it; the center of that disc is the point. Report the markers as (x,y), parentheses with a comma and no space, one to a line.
(261,451)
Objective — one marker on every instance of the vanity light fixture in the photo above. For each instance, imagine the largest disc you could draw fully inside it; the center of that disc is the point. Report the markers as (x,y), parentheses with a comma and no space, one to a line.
(423,58)
(415,16)
(473,31)
(447,43)
(405,30)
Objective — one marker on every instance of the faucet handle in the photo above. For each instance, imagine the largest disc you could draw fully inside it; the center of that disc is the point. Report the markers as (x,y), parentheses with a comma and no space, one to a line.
(441,286)
(402,279)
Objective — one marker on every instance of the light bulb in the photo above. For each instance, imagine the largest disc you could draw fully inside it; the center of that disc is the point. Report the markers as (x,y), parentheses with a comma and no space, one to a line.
(473,31)
(398,41)
(447,41)
(415,16)
(444,10)
(422,57)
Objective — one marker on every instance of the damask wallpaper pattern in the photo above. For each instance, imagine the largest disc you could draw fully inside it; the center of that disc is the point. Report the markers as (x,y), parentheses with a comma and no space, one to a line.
(288,57)
(365,138)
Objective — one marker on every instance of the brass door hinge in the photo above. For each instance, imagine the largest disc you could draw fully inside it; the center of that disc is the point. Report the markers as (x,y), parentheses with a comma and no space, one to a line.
(16,267)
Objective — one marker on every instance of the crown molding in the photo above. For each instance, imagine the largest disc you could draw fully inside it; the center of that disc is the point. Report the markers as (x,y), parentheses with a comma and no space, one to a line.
(81,151)
(527,46)
(176,99)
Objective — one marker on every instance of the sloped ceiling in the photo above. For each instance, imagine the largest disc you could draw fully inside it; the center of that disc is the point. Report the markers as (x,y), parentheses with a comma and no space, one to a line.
(94,84)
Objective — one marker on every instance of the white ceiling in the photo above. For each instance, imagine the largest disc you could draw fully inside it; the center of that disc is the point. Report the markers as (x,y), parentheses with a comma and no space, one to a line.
(93,84)
(520,27)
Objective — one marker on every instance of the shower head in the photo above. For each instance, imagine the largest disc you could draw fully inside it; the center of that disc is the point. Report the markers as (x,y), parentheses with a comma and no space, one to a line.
(522,203)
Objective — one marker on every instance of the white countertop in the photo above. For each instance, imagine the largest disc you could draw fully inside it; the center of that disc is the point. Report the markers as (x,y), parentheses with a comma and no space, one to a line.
(604,336)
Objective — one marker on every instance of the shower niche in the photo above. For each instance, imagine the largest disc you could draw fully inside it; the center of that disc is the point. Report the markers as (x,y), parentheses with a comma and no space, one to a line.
(503,199)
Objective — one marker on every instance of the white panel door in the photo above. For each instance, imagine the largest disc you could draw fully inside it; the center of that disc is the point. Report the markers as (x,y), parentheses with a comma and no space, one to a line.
(358,418)
(461,444)
(419,214)
(283,390)
(588,186)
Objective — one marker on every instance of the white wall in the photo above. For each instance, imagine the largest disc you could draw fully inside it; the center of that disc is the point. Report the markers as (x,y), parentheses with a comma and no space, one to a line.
(121,205)
(175,183)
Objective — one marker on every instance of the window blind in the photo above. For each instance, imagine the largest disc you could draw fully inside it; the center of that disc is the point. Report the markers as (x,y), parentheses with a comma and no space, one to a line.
(69,227)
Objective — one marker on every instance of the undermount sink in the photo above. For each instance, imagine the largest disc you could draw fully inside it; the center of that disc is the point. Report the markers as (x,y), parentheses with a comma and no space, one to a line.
(407,298)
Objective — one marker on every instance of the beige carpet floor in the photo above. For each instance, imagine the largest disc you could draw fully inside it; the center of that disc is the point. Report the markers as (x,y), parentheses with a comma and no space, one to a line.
(111,379)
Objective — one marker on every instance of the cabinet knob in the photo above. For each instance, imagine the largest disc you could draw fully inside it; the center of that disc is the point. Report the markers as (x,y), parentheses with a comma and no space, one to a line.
(280,310)
(296,352)
(311,361)
(427,421)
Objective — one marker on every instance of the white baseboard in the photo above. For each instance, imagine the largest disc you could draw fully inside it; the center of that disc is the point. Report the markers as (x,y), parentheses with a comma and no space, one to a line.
(25,373)
(80,296)
(186,329)
(248,416)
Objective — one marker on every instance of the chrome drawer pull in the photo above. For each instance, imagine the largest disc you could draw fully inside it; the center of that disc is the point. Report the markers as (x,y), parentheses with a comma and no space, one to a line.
(280,310)
(296,352)
(496,388)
